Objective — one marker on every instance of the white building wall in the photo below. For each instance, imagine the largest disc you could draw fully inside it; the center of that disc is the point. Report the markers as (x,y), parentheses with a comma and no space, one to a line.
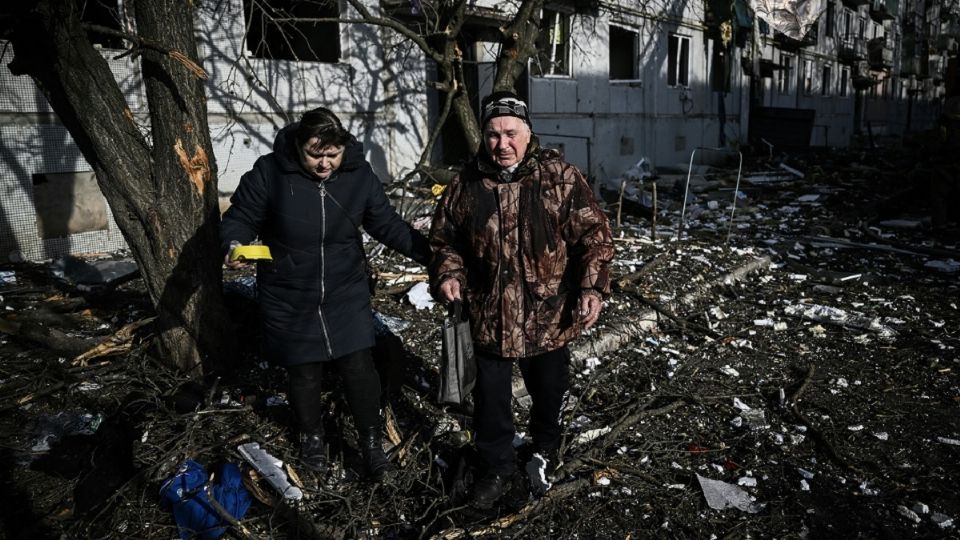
(606,126)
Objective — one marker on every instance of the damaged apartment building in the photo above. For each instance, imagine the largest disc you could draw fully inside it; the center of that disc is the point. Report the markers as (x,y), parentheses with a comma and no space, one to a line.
(613,82)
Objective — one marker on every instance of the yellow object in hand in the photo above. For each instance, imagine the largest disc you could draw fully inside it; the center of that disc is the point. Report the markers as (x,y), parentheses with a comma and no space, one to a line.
(250,253)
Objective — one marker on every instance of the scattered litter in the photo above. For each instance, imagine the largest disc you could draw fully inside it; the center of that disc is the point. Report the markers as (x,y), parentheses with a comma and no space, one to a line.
(270,469)
(820,313)
(948,266)
(945,440)
(721,495)
(921,508)
(89,275)
(8,277)
(384,325)
(943,520)
(907,224)
(805,473)
(804,485)
(808,198)
(592,434)
(536,470)
(48,430)
(727,370)
(419,296)
(908,513)
(747,481)
(882,435)
(791,170)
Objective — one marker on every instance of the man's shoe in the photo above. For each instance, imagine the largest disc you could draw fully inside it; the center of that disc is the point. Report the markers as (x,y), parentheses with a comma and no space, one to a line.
(488,490)
(375,461)
(313,451)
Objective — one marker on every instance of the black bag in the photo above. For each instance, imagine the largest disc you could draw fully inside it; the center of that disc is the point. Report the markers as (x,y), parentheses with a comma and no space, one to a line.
(458,367)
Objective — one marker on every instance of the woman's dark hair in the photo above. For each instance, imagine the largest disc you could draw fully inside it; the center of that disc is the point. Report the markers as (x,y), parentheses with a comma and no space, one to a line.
(324,125)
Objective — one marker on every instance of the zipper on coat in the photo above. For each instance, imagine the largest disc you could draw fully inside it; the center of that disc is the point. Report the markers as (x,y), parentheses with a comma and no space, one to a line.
(323,265)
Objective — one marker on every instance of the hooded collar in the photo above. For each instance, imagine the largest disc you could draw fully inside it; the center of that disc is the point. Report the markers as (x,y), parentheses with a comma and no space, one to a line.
(287,153)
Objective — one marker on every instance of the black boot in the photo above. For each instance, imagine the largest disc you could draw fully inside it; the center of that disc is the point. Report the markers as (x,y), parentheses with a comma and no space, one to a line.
(375,462)
(313,451)
(488,490)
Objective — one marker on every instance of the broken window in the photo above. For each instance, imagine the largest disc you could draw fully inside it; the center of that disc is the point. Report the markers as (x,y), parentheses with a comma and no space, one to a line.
(623,54)
(289,30)
(844,77)
(826,80)
(785,74)
(807,77)
(105,13)
(831,16)
(678,60)
(553,45)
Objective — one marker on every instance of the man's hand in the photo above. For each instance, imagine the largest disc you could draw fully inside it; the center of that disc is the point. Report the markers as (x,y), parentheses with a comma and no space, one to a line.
(450,289)
(590,305)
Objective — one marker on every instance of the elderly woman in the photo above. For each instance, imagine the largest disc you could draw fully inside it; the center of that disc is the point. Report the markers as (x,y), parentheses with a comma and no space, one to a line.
(306,201)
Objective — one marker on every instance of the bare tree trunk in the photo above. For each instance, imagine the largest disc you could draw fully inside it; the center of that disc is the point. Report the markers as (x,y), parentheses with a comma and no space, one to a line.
(162,191)
(519,44)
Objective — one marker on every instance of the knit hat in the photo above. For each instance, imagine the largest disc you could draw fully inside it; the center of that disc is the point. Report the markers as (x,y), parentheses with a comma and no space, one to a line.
(503,103)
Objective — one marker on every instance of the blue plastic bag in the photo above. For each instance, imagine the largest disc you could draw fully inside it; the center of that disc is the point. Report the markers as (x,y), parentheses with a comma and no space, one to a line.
(192,511)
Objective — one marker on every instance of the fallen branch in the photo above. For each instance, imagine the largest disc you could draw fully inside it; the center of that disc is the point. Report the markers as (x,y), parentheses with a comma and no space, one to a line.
(120,342)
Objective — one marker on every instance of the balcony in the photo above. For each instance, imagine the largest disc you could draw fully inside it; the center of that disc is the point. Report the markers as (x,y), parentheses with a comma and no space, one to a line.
(862,77)
(936,66)
(947,44)
(851,49)
(910,66)
(787,43)
(881,10)
(880,54)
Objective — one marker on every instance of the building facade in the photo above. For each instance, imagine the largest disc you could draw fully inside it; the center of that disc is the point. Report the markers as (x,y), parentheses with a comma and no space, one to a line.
(612,83)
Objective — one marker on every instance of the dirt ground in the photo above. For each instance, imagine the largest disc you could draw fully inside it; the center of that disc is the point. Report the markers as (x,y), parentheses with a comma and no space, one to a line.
(803,357)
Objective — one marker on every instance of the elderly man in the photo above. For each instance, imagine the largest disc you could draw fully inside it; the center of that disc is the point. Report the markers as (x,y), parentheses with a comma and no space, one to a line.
(520,238)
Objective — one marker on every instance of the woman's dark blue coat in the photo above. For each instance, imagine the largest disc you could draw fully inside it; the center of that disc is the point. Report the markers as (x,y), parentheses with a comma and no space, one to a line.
(314,298)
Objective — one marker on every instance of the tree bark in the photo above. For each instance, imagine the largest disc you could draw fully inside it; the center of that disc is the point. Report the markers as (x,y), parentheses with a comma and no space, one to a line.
(162,191)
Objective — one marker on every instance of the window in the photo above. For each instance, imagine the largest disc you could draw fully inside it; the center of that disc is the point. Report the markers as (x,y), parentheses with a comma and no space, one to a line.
(807,77)
(844,78)
(276,33)
(863,29)
(623,54)
(785,74)
(553,45)
(847,23)
(678,60)
(826,80)
(104,13)
(831,16)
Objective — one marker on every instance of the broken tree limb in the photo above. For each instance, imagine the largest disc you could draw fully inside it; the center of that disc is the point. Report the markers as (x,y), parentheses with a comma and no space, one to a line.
(615,430)
(624,333)
(120,342)
(238,527)
(497,527)
(815,432)
(48,337)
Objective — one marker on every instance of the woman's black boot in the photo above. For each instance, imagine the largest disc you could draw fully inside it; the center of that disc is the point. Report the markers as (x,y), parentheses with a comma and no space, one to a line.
(375,461)
(313,451)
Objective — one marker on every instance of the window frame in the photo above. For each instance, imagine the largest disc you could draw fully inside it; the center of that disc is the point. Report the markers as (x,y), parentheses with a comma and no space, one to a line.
(826,80)
(785,75)
(535,65)
(684,43)
(634,54)
(286,53)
